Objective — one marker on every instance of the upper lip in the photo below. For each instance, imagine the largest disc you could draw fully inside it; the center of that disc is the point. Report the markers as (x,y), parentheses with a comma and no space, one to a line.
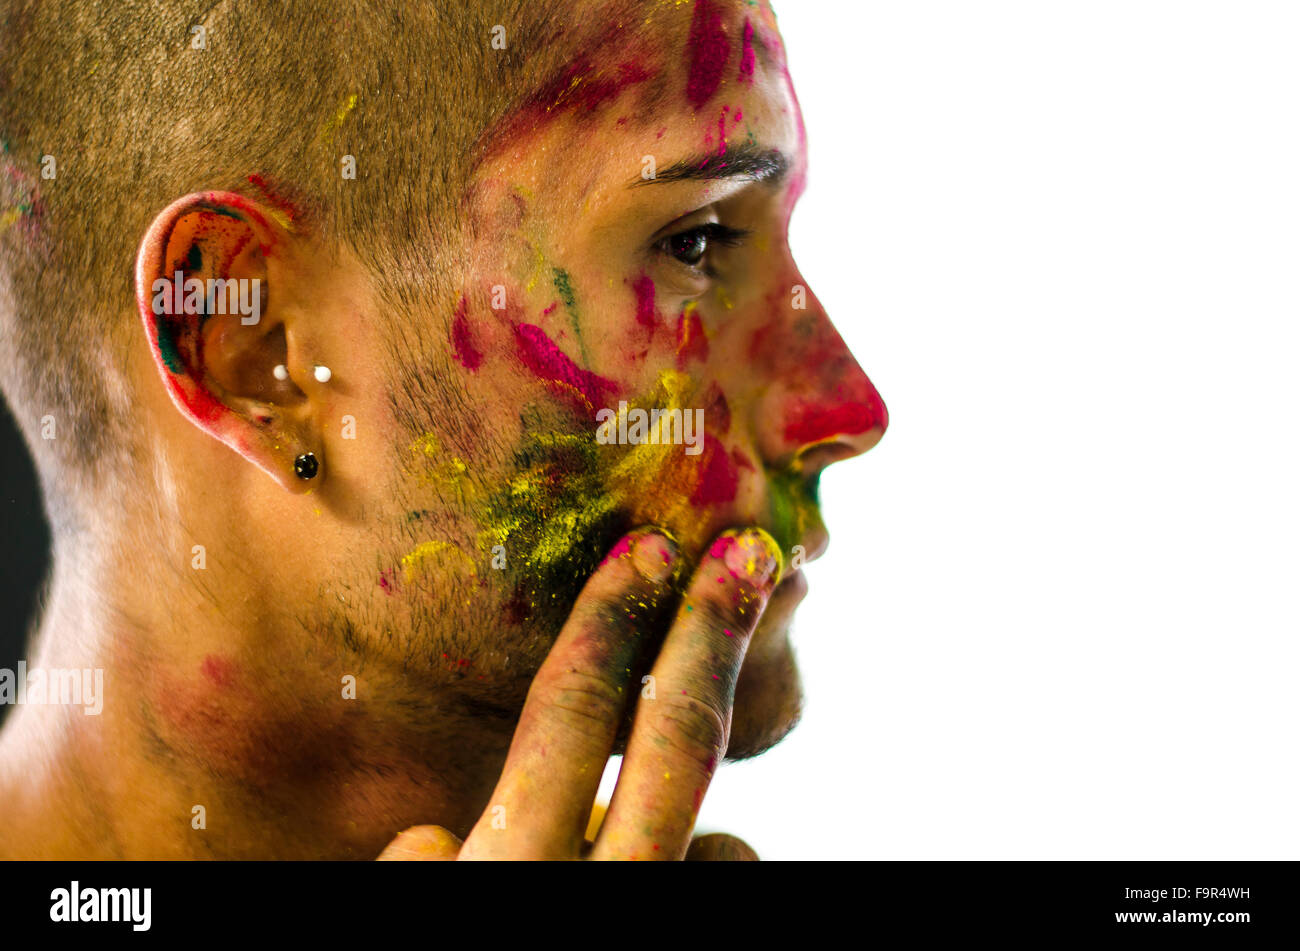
(814,542)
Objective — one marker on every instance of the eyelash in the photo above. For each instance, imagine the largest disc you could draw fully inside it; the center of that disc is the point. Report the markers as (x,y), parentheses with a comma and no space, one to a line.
(713,233)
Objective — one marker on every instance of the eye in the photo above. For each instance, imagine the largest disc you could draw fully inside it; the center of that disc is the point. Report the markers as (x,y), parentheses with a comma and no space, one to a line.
(690,247)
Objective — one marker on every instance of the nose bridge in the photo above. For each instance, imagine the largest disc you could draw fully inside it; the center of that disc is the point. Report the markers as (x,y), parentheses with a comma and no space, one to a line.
(815,396)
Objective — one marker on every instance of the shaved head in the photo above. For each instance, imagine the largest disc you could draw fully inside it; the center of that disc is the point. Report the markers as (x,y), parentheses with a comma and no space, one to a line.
(104,109)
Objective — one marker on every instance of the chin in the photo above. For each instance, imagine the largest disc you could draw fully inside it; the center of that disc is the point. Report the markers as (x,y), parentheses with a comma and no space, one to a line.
(769,695)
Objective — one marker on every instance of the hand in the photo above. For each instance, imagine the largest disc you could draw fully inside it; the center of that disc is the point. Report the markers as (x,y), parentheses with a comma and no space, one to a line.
(571,718)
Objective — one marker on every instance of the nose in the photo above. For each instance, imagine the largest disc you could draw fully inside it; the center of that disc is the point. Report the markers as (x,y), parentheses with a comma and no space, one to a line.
(818,406)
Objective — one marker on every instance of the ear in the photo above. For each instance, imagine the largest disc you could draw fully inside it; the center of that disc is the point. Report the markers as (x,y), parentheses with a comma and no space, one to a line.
(213,285)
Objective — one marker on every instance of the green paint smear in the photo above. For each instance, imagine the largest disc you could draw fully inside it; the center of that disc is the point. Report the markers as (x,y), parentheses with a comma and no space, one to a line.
(167,349)
(790,501)
(564,287)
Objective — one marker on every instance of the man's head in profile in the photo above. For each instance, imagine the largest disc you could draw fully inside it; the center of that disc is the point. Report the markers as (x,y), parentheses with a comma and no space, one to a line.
(367,336)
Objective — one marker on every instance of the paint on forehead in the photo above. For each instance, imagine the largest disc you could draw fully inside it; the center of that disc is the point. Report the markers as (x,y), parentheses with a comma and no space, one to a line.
(606,65)
(746,74)
(707,53)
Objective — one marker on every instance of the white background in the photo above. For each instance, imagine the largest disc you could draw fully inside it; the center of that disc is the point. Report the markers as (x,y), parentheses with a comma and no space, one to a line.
(1058,617)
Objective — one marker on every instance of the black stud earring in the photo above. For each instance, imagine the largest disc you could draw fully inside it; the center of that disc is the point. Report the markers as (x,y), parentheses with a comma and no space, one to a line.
(306,466)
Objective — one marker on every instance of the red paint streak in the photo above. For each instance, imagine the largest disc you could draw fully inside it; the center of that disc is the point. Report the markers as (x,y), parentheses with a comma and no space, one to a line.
(747,55)
(691,342)
(646,315)
(551,309)
(741,460)
(219,670)
(385,583)
(716,409)
(624,547)
(582,87)
(718,480)
(814,424)
(274,197)
(547,361)
(707,50)
(462,339)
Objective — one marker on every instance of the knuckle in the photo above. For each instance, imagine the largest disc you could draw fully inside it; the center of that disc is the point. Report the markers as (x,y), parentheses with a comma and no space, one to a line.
(582,702)
(694,728)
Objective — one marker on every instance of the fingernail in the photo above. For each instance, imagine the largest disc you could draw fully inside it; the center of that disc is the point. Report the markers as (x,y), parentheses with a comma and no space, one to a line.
(653,553)
(752,555)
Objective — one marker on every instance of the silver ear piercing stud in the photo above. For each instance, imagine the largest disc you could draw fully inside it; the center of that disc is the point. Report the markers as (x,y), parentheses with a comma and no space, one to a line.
(281,372)
(322,374)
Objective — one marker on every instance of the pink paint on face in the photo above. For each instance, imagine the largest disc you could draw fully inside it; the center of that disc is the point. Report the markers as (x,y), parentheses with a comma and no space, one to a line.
(716,410)
(219,670)
(707,52)
(547,361)
(462,339)
(747,55)
(644,288)
(808,423)
(718,480)
(620,550)
(691,342)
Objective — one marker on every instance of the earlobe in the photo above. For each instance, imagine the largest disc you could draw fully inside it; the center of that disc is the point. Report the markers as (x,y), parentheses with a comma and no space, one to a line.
(214,286)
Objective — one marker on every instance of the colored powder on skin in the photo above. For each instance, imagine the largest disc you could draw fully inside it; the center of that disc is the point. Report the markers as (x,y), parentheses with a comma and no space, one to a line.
(747,55)
(335,122)
(547,361)
(462,340)
(419,559)
(564,287)
(792,501)
(717,410)
(722,133)
(691,342)
(287,211)
(218,670)
(440,470)
(582,88)
(718,480)
(646,315)
(814,424)
(167,349)
(707,50)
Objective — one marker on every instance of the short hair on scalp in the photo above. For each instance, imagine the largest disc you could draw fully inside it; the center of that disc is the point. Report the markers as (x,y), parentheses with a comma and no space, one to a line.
(134,116)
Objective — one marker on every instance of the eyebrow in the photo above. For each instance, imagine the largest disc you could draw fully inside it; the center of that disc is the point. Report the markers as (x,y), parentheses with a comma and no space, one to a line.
(747,161)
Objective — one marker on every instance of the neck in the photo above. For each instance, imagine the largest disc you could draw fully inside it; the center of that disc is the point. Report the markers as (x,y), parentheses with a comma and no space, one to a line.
(221,734)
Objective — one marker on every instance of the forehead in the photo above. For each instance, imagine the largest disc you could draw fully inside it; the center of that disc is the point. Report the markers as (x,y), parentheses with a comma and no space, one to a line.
(682,81)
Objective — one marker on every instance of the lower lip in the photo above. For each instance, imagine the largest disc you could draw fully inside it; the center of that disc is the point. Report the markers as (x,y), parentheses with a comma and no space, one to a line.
(794,587)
